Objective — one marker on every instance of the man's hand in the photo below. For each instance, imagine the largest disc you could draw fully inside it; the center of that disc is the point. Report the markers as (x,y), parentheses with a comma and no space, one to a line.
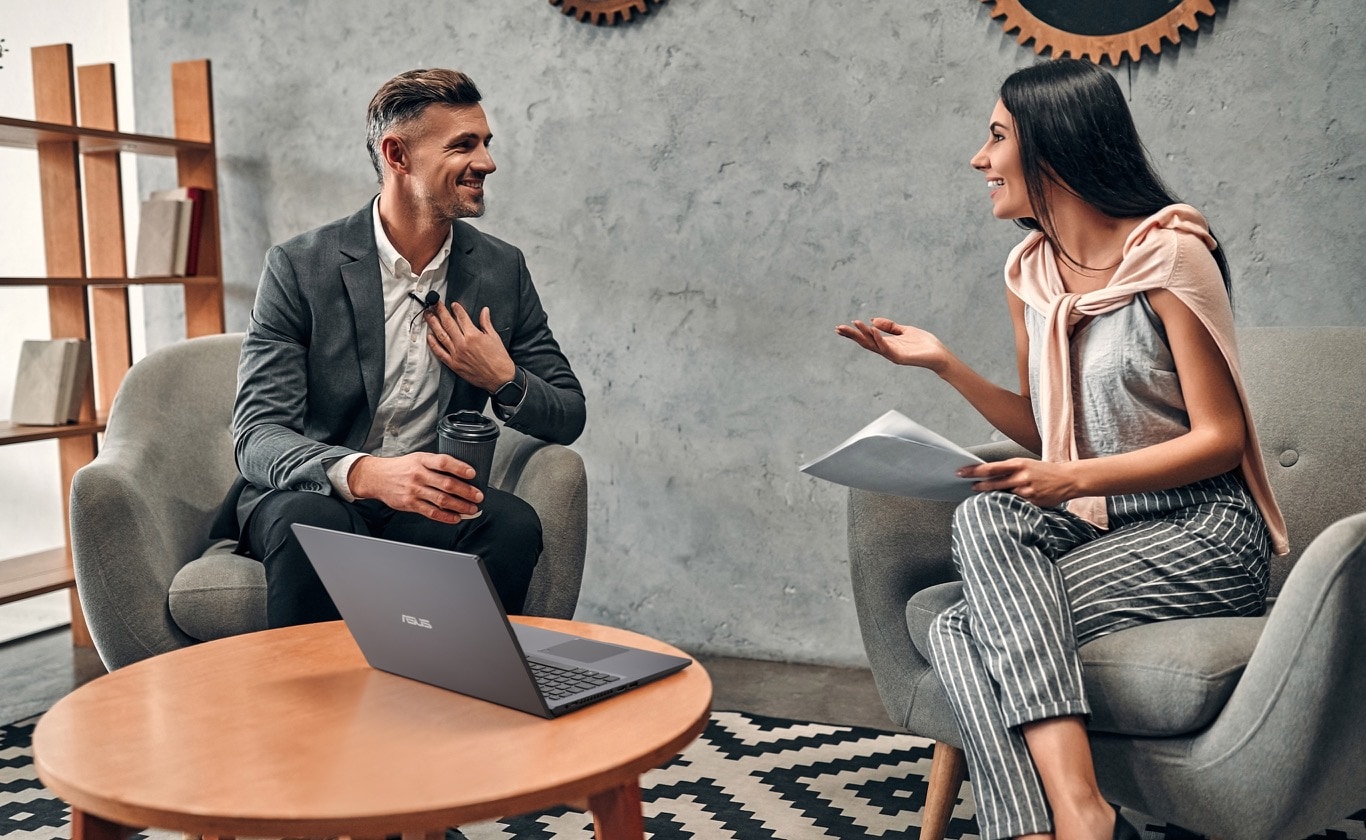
(474,352)
(434,485)
(1041,482)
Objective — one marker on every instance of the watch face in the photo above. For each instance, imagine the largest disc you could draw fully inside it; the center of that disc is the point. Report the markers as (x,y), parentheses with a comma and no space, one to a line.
(509,394)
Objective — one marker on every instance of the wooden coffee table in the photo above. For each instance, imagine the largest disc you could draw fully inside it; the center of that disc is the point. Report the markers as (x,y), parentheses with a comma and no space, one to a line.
(288,733)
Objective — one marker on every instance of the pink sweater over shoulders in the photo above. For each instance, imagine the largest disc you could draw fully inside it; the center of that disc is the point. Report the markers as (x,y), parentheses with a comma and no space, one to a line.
(1169,250)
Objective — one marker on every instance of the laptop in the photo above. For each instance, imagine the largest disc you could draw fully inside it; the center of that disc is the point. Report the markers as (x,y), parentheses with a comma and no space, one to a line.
(433,615)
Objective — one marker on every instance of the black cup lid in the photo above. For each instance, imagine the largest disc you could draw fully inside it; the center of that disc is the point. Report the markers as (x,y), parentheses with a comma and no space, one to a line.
(467,425)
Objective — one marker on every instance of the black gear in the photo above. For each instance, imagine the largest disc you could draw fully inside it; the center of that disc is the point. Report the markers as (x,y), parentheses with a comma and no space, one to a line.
(604,12)
(1168,27)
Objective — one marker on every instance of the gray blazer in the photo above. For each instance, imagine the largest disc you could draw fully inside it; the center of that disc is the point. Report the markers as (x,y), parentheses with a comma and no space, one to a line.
(312,364)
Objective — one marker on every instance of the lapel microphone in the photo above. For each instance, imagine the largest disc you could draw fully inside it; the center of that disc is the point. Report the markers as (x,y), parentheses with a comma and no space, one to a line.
(431,300)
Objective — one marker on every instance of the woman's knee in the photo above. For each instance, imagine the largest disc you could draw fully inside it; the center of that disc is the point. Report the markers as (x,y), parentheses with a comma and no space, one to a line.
(988,510)
(984,518)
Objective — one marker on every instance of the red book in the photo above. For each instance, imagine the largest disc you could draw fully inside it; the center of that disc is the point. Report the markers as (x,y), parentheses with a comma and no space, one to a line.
(196,196)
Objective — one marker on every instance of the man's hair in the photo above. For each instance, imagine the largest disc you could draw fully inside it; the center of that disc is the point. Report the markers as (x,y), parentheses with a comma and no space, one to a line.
(403,98)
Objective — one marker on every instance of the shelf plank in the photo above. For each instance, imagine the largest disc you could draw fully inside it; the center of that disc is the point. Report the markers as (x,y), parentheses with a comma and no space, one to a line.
(110,324)
(30,134)
(192,99)
(34,574)
(20,433)
(198,280)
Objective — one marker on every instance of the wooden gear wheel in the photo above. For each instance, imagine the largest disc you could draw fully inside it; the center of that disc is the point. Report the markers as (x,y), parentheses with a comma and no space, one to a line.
(604,12)
(1093,31)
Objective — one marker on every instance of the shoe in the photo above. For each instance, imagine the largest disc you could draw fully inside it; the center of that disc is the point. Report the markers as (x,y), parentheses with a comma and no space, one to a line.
(1124,830)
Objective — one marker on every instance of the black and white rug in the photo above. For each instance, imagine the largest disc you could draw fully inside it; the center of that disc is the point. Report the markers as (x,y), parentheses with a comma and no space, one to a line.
(746,778)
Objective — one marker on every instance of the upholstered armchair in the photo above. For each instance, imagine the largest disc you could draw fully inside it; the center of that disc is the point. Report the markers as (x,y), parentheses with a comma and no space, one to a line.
(148,577)
(1248,728)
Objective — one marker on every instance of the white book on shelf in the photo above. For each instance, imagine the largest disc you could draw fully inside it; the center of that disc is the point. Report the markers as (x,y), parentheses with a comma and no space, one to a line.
(159,230)
(51,382)
(183,231)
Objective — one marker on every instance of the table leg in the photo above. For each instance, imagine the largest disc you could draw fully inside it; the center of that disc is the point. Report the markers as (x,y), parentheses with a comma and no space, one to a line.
(87,826)
(617,813)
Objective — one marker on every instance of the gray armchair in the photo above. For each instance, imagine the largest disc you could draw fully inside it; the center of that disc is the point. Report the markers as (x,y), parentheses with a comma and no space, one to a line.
(148,578)
(1253,728)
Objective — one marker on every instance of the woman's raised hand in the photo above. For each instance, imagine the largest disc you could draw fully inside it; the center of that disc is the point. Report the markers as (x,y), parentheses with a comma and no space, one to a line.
(897,343)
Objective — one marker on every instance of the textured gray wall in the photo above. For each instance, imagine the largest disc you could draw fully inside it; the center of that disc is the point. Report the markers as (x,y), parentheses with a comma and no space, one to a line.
(704,195)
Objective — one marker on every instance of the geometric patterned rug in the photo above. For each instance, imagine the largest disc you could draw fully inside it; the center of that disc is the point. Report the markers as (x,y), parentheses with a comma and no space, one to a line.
(747,777)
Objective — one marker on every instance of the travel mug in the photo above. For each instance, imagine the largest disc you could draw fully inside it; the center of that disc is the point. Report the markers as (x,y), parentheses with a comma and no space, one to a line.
(470,437)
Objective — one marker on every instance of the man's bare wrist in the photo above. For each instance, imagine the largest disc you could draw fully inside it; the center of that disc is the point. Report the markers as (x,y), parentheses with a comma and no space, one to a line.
(355,479)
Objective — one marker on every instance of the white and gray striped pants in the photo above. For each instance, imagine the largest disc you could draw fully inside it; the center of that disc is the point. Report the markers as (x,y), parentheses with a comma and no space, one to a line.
(1040,582)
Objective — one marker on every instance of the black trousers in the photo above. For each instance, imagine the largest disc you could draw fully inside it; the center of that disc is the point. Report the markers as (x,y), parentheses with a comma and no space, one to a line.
(507,536)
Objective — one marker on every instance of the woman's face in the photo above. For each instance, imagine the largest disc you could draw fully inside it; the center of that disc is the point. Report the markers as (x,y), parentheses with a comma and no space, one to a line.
(999,161)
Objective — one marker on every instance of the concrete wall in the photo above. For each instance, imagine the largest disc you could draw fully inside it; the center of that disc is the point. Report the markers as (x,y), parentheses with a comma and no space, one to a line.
(704,195)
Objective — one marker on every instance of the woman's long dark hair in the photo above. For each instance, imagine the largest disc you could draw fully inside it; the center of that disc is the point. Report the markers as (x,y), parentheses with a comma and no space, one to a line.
(1074,128)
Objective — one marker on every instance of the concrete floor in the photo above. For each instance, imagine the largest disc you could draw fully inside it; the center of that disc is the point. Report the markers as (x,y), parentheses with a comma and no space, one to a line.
(40,669)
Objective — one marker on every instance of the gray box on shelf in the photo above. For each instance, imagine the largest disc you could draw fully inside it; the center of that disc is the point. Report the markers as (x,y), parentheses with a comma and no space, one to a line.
(159,236)
(50,382)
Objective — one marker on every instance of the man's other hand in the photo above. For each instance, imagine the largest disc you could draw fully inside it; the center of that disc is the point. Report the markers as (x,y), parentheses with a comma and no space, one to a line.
(434,485)
(473,351)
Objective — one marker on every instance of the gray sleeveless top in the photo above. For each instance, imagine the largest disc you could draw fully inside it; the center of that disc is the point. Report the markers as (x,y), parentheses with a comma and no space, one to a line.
(1125,393)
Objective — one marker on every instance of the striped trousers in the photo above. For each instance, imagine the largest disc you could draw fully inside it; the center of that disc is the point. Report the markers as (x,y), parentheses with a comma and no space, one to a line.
(1040,582)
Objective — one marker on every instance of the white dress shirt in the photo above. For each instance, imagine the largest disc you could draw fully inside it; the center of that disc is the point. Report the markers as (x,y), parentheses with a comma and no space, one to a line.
(405,420)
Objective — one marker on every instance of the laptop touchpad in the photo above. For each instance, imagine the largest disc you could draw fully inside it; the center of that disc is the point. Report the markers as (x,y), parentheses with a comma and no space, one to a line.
(582,650)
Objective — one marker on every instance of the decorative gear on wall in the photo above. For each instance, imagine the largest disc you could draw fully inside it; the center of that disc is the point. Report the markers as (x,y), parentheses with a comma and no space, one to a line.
(1091,30)
(605,12)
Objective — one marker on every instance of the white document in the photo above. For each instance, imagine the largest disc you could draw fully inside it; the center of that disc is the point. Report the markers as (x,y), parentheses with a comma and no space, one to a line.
(896,455)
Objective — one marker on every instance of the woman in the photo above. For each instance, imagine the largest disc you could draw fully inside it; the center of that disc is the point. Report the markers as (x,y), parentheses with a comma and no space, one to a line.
(1151,501)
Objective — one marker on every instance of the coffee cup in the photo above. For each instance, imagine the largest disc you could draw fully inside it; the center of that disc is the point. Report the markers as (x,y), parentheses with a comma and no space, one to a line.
(470,437)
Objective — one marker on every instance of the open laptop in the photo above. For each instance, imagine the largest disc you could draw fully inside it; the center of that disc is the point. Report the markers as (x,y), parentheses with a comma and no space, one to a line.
(433,615)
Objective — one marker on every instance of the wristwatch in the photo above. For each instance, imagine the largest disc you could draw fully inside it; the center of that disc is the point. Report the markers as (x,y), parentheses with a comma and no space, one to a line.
(511,393)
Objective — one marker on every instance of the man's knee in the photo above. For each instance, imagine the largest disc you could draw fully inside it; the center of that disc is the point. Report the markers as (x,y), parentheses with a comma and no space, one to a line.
(270,522)
(516,523)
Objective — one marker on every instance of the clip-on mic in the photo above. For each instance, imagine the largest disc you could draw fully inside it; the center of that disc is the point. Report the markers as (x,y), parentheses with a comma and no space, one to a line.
(431,300)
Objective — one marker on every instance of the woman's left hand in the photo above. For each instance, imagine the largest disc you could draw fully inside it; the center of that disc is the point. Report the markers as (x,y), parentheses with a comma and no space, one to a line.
(1044,483)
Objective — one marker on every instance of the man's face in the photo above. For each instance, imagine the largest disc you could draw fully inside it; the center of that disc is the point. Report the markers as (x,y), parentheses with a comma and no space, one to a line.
(448,149)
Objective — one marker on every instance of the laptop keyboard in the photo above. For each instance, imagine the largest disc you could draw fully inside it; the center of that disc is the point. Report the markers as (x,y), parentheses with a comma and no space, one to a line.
(556,683)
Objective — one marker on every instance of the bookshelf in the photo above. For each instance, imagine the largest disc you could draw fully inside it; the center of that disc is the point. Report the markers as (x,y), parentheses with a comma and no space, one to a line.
(79,149)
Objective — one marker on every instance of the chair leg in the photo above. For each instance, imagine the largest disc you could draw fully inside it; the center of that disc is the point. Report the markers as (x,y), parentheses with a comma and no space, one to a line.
(948,769)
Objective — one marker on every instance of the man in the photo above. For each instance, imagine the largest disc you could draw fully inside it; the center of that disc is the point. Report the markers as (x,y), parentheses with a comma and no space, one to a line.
(349,361)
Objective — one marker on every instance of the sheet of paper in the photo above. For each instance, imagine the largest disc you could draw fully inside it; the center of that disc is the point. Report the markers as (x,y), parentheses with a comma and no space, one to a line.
(896,455)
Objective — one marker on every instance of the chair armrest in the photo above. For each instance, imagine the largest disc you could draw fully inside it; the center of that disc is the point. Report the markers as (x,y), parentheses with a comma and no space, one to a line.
(1294,724)
(125,554)
(1297,713)
(551,478)
(897,547)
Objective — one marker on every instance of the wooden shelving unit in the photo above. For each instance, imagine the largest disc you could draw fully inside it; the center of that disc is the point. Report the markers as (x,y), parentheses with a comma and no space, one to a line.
(76,135)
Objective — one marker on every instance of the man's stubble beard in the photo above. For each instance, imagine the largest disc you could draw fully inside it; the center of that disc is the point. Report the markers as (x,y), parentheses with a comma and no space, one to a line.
(456,210)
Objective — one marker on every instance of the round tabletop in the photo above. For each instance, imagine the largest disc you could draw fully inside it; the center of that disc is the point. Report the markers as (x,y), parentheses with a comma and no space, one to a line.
(290,733)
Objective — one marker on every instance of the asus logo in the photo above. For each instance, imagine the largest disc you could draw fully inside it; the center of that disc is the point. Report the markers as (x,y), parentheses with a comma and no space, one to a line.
(417,622)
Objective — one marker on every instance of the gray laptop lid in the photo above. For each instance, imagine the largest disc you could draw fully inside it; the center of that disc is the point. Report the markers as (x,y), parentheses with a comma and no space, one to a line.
(433,615)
